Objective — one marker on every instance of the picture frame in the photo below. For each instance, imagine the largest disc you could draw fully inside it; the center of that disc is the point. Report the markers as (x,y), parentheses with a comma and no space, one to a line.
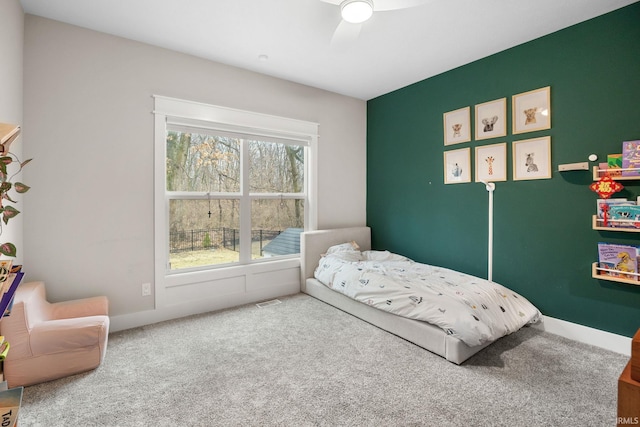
(457,126)
(491,119)
(532,158)
(531,111)
(457,166)
(491,162)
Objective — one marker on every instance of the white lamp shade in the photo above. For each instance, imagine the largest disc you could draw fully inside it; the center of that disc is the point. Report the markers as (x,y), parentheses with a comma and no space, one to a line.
(356,11)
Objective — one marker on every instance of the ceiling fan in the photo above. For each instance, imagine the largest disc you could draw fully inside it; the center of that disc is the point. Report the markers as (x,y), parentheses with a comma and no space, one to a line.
(355,12)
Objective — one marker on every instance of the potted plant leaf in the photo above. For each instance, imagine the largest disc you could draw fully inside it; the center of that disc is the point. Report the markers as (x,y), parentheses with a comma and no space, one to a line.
(8,162)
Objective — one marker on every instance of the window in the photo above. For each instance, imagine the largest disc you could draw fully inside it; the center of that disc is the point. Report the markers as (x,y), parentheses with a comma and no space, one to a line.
(234,192)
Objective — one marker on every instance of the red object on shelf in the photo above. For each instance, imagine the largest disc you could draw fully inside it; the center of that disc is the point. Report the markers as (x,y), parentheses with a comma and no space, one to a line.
(605,187)
(605,214)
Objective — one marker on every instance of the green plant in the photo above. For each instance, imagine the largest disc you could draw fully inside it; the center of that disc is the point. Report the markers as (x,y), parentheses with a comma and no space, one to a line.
(206,242)
(6,186)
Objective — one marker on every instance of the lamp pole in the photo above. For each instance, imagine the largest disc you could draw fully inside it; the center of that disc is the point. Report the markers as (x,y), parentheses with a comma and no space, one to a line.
(490,186)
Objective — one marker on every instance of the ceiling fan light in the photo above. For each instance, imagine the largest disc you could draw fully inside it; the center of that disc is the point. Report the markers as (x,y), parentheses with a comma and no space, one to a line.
(356,11)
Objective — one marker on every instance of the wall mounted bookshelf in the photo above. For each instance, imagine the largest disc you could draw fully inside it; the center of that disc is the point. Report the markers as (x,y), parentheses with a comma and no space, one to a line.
(597,171)
(598,273)
(598,224)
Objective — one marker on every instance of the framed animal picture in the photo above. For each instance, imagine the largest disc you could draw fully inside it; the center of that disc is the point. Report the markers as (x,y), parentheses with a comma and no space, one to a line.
(457,166)
(491,162)
(532,158)
(457,126)
(491,119)
(531,110)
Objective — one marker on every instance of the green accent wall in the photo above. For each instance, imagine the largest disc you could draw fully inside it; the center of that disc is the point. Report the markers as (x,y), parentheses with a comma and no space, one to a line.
(544,245)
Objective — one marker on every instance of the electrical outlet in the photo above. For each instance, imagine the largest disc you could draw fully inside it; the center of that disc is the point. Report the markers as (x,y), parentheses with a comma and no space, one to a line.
(146,289)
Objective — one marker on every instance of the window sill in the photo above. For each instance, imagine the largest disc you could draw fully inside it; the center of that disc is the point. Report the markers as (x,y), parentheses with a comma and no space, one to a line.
(178,278)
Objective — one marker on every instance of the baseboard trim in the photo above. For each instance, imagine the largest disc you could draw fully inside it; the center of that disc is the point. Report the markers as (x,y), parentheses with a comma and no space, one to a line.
(584,334)
(573,331)
(203,305)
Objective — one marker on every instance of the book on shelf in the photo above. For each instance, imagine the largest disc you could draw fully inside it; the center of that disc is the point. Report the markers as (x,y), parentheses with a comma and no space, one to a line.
(620,213)
(631,158)
(624,215)
(4,350)
(8,131)
(10,401)
(6,302)
(618,260)
(603,169)
(614,164)
(5,270)
(610,202)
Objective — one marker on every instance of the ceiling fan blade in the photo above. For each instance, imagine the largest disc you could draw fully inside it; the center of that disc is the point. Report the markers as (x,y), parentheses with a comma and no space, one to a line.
(382,5)
(336,2)
(345,33)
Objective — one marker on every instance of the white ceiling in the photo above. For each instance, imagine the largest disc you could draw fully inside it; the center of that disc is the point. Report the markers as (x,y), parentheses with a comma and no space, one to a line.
(394,48)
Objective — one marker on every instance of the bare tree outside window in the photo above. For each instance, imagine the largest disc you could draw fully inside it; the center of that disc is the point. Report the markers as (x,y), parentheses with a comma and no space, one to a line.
(204,171)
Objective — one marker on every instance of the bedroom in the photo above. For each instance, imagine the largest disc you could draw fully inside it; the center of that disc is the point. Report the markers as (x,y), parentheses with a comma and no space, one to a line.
(82,85)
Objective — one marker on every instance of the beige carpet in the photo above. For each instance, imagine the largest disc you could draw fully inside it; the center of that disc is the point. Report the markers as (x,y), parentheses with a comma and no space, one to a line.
(304,363)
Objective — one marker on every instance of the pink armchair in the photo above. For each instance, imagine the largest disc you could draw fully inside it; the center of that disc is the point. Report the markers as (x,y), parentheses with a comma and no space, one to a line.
(49,341)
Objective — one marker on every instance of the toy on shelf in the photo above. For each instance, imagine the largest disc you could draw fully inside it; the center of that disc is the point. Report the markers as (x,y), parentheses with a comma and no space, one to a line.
(605,187)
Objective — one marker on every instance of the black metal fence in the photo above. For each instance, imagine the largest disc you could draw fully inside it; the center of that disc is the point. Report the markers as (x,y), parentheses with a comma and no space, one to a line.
(228,238)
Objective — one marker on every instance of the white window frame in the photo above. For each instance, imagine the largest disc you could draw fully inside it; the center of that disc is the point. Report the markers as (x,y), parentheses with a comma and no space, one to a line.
(222,119)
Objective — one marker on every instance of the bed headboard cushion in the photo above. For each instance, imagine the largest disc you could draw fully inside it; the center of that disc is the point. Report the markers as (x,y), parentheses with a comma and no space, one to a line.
(314,243)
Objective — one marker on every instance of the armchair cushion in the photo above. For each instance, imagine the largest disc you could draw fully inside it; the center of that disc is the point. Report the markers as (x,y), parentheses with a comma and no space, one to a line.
(50,341)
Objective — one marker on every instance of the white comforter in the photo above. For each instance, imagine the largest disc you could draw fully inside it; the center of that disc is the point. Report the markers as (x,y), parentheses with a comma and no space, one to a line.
(472,309)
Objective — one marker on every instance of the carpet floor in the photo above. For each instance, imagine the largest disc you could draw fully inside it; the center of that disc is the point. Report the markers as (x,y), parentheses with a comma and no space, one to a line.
(305,363)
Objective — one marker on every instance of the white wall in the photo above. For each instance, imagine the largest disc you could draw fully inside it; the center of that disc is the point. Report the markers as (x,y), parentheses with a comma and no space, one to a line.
(11,41)
(89,125)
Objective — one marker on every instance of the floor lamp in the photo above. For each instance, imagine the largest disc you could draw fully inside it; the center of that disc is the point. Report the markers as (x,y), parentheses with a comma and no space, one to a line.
(490,186)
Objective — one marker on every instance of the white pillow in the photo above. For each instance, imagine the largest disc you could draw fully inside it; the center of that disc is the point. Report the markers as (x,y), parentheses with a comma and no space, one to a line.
(382,256)
(343,247)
